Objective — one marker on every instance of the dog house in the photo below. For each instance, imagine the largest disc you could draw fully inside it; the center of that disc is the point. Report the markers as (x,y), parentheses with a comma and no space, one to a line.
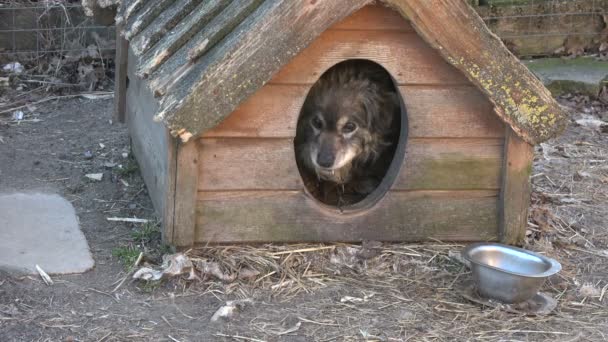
(215,89)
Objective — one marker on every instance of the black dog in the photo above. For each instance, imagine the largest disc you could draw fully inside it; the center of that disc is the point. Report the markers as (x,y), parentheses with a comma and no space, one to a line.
(348,131)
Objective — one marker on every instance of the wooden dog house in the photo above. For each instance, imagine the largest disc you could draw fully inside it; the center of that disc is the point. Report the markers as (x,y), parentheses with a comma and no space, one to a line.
(216,87)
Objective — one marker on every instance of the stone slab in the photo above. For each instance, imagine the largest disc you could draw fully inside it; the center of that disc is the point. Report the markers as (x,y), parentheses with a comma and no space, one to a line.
(584,75)
(41,229)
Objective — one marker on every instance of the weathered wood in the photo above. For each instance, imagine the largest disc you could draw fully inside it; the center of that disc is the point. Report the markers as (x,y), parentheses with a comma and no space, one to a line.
(146,15)
(452,164)
(219,27)
(244,164)
(120,77)
(404,55)
(154,149)
(515,191)
(150,140)
(278,30)
(258,47)
(162,26)
(433,111)
(127,9)
(460,112)
(188,29)
(269,164)
(290,216)
(374,17)
(168,212)
(458,33)
(186,179)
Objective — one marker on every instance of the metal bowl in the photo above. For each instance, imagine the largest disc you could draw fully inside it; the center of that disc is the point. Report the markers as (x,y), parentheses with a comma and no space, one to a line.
(508,274)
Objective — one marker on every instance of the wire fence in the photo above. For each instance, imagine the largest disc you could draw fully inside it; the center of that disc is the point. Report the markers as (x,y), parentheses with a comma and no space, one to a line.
(548,27)
(528,27)
(44,28)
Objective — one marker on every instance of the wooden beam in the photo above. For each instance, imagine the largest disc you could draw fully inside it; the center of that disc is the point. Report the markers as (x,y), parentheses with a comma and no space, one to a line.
(515,191)
(120,76)
(184,207)
(292,216)
(430,164)
(168,212)
(460,35)
(433,112)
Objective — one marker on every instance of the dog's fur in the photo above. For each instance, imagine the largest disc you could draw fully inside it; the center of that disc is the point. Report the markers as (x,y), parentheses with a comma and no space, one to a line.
(348,163)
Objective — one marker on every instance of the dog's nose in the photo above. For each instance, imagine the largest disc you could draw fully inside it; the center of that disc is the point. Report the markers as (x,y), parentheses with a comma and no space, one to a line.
(325,159)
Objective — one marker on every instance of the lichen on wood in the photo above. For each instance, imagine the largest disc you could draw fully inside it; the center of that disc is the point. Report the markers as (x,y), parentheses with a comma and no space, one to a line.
(460,35)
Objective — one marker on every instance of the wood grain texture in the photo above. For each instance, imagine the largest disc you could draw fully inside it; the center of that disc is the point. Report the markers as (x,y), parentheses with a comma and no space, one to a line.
(454,29)
(451,164)
(187,175)
(167,215)
(154,149)
(149,11)
(291,216)
(149,140)
(120,77)
(162,26)
(405,55)
(207,23)
(269,164)
(516,189)
(374,17)
(450,112)
(433,111)
(257,48)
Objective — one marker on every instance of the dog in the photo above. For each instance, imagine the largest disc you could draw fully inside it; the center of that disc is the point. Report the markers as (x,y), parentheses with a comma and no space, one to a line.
(347,132)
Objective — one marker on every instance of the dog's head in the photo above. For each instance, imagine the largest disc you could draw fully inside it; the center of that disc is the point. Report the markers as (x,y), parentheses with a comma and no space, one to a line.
(345,121)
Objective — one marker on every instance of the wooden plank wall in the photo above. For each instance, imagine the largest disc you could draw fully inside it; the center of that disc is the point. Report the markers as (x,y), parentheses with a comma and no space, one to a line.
(249,187)
(153,147)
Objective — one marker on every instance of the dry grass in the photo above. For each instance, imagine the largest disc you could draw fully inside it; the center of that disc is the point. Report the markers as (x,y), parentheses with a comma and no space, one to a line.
(389,292)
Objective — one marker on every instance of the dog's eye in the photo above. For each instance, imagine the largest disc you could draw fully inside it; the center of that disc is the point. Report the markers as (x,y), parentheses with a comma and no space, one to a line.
(316,122)
(349,127)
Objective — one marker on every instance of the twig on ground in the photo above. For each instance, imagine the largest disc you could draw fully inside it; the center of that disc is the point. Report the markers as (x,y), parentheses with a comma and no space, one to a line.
(128,219)
(44,275)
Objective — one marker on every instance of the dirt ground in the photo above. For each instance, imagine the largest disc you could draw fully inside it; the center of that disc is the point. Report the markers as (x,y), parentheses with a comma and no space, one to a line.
(372,292)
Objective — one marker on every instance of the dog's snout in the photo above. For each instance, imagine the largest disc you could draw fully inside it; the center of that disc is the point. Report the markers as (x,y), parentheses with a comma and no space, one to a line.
(326,158)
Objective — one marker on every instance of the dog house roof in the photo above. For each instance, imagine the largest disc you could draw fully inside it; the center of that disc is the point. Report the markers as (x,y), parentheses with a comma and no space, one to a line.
(203,58)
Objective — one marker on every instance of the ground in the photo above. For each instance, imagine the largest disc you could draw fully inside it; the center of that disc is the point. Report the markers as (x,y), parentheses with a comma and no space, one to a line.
(375,292)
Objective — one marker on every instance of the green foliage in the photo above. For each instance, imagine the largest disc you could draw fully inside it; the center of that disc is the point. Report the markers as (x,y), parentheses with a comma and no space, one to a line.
(127,255)
(149,232)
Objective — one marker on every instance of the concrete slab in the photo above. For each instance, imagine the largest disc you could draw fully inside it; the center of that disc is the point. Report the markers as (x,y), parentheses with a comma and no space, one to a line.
(584,75)
(41,229)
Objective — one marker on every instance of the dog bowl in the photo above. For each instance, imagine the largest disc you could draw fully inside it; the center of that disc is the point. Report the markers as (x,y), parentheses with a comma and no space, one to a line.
(508,274)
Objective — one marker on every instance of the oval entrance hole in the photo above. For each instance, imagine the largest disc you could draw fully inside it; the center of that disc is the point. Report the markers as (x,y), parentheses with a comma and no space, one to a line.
(351,135)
